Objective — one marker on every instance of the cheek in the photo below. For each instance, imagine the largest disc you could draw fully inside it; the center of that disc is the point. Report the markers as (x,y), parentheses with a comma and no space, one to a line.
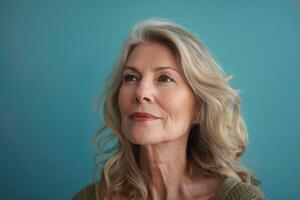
(124,99)
(179,105)
(124,103)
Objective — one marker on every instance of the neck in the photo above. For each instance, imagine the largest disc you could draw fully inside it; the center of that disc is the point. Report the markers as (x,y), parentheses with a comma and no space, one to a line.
(165,166)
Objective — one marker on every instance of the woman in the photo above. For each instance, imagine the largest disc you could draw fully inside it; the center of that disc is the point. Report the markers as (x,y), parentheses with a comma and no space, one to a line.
(177,121)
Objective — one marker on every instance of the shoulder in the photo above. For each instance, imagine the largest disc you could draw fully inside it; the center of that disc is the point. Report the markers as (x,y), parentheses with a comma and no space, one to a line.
(86,193)
(235,190)
(89,192)
(245,191)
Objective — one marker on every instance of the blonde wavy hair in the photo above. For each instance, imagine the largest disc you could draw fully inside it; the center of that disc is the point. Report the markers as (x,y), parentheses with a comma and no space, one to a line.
(215,143)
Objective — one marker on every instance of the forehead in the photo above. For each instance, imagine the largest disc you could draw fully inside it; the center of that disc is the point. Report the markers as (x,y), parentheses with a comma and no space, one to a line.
(152,54)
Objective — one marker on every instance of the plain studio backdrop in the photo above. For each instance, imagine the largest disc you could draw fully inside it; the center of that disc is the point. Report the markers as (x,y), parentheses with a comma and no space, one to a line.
(55,55)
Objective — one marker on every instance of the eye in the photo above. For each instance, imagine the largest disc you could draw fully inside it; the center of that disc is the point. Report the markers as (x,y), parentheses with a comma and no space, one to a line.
(165,78)
(129,78)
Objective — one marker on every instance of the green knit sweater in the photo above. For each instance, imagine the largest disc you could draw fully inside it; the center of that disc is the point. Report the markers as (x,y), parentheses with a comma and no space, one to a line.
(231,189)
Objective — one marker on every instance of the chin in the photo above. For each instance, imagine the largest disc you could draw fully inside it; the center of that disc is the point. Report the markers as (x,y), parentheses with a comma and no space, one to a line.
(143,139)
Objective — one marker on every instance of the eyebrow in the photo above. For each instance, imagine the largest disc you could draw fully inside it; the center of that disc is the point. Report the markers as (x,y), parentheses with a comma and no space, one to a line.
(159,68)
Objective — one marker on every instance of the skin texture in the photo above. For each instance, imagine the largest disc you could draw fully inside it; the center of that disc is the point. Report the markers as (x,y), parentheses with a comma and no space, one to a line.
(153,83)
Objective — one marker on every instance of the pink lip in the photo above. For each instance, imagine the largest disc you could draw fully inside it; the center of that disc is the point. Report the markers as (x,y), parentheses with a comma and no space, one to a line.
(138,116)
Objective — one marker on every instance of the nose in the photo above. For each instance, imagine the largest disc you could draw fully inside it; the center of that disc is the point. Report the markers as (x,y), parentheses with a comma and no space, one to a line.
(143,92)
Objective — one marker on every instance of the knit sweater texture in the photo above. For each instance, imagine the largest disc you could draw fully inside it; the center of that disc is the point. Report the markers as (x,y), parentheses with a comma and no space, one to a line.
(231,189)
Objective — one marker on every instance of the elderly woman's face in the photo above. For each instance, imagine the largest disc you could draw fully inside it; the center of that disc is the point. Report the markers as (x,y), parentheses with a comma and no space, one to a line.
(156,103)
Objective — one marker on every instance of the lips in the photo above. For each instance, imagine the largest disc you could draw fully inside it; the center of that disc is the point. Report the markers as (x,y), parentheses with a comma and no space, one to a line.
(139,116)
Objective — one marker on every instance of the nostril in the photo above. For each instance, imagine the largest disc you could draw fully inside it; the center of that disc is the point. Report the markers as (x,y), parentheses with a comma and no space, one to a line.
(137,99)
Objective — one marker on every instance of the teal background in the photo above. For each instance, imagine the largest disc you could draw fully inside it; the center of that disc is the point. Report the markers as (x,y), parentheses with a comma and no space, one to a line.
(54,56)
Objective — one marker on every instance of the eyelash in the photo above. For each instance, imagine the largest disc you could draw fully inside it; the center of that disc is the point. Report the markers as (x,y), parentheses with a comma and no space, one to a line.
(165,76)
(128,76)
